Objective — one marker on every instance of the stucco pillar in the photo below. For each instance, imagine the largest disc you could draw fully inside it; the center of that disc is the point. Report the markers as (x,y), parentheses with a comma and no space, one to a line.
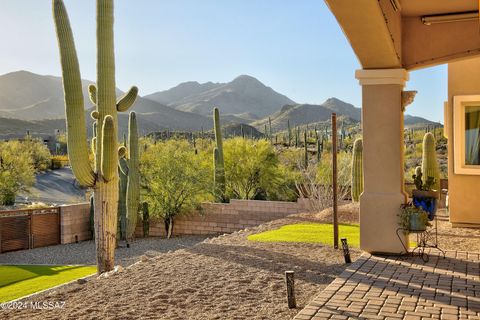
(383,152)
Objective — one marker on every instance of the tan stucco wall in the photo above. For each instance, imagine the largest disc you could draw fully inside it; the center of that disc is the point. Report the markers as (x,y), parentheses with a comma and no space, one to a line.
(463,190)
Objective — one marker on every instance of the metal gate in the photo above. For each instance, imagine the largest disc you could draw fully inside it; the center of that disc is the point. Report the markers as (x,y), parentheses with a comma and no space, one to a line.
(27,229)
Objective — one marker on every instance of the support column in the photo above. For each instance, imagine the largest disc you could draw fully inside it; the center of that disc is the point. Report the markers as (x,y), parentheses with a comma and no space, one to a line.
(383,153)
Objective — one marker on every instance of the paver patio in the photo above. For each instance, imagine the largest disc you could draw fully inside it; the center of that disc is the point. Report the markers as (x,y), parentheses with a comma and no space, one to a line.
(393,287)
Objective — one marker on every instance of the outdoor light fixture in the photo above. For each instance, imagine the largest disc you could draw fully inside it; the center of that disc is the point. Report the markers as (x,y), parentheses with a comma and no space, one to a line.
(452,17)
(396,5)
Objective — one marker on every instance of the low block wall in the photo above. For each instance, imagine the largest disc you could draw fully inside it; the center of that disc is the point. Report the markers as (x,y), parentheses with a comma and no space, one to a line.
(219,218)
(75,223)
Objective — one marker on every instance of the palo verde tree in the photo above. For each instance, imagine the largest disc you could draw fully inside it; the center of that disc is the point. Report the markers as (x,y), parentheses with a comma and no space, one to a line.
(175,180)
(103,177)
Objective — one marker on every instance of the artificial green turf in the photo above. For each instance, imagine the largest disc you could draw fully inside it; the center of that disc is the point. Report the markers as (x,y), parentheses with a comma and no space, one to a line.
(310,233)
(17,281)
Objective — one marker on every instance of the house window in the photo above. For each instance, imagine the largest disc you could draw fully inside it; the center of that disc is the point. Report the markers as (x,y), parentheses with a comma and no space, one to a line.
(466,121)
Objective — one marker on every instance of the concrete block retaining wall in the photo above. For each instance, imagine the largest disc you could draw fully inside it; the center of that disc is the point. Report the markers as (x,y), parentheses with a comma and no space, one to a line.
(219,218)
(214,218)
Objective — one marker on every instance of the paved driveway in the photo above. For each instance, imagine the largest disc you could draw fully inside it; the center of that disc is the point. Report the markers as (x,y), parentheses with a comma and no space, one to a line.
(57,186)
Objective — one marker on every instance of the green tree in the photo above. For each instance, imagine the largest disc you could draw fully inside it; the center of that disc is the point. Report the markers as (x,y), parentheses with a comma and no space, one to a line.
(176,180)
(253,170)
(17,171)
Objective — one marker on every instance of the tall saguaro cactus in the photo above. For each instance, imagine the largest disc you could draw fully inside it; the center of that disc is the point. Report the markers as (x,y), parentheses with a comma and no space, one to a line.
(133,181)
(219,166)
(103,178)
(305,149)
(429,161)
(357,170)
(129,199)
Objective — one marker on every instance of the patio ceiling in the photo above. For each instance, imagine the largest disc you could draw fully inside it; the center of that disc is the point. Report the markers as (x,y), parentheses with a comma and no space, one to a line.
(392,34)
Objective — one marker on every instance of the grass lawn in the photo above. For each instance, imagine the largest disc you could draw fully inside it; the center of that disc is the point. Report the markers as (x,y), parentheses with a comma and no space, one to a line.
(312,233)
(17,281)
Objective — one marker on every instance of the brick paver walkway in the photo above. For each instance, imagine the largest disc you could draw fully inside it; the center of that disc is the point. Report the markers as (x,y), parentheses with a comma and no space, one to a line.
(402,288)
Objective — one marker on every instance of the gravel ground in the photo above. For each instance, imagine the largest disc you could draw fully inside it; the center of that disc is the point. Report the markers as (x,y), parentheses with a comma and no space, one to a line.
(226,277)
(84,252)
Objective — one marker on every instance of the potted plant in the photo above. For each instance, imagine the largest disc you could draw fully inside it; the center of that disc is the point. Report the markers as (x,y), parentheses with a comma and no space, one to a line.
(424,197)
(413,218)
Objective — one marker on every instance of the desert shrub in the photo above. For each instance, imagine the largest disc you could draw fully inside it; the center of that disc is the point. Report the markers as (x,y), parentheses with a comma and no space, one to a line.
(17,172)
(315,182)
(175,179)
(38,153)
(58,162)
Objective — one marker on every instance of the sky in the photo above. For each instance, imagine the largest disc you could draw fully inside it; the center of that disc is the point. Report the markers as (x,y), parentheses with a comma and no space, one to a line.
(295,47)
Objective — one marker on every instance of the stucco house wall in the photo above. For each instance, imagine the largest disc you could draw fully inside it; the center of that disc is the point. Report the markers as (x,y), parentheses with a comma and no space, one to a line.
(464,190)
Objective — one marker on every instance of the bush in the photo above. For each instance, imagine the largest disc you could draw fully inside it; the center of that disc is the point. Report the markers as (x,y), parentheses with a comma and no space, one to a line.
(58,162)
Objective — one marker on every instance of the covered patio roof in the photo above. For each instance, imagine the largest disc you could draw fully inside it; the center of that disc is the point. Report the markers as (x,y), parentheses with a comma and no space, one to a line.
(409,34)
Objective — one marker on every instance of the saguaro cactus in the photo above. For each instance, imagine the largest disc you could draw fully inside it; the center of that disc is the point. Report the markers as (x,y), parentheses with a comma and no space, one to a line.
(103,178)
(289,133)
(133,183)
(305,149)
(122,197)
(357,170)
(319,150)
(129,182)
(429,161)
(219,166)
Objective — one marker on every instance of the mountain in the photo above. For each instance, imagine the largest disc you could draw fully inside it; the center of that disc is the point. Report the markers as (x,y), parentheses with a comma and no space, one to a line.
(414,121)
(302,114)
(244,94)
(31,97)
(183,90)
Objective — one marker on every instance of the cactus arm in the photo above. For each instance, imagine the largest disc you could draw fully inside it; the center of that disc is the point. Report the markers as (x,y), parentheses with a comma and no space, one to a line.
(109,154)
(123,165)
(74,104)
(127,100)
(122,152)
(92,94)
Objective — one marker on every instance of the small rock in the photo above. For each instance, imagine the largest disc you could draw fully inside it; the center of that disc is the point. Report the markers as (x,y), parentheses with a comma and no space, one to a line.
(144,258)
(118,269)
(82,281)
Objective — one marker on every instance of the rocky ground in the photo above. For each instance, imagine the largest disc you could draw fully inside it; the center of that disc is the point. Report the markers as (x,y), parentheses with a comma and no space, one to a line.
(225,277)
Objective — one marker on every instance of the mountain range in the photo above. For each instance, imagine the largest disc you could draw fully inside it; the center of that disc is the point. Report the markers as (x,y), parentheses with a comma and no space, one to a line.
(33,102)
(243,95)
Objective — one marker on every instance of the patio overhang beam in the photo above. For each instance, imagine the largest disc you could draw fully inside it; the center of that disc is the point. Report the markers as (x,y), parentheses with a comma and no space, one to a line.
(373,29)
